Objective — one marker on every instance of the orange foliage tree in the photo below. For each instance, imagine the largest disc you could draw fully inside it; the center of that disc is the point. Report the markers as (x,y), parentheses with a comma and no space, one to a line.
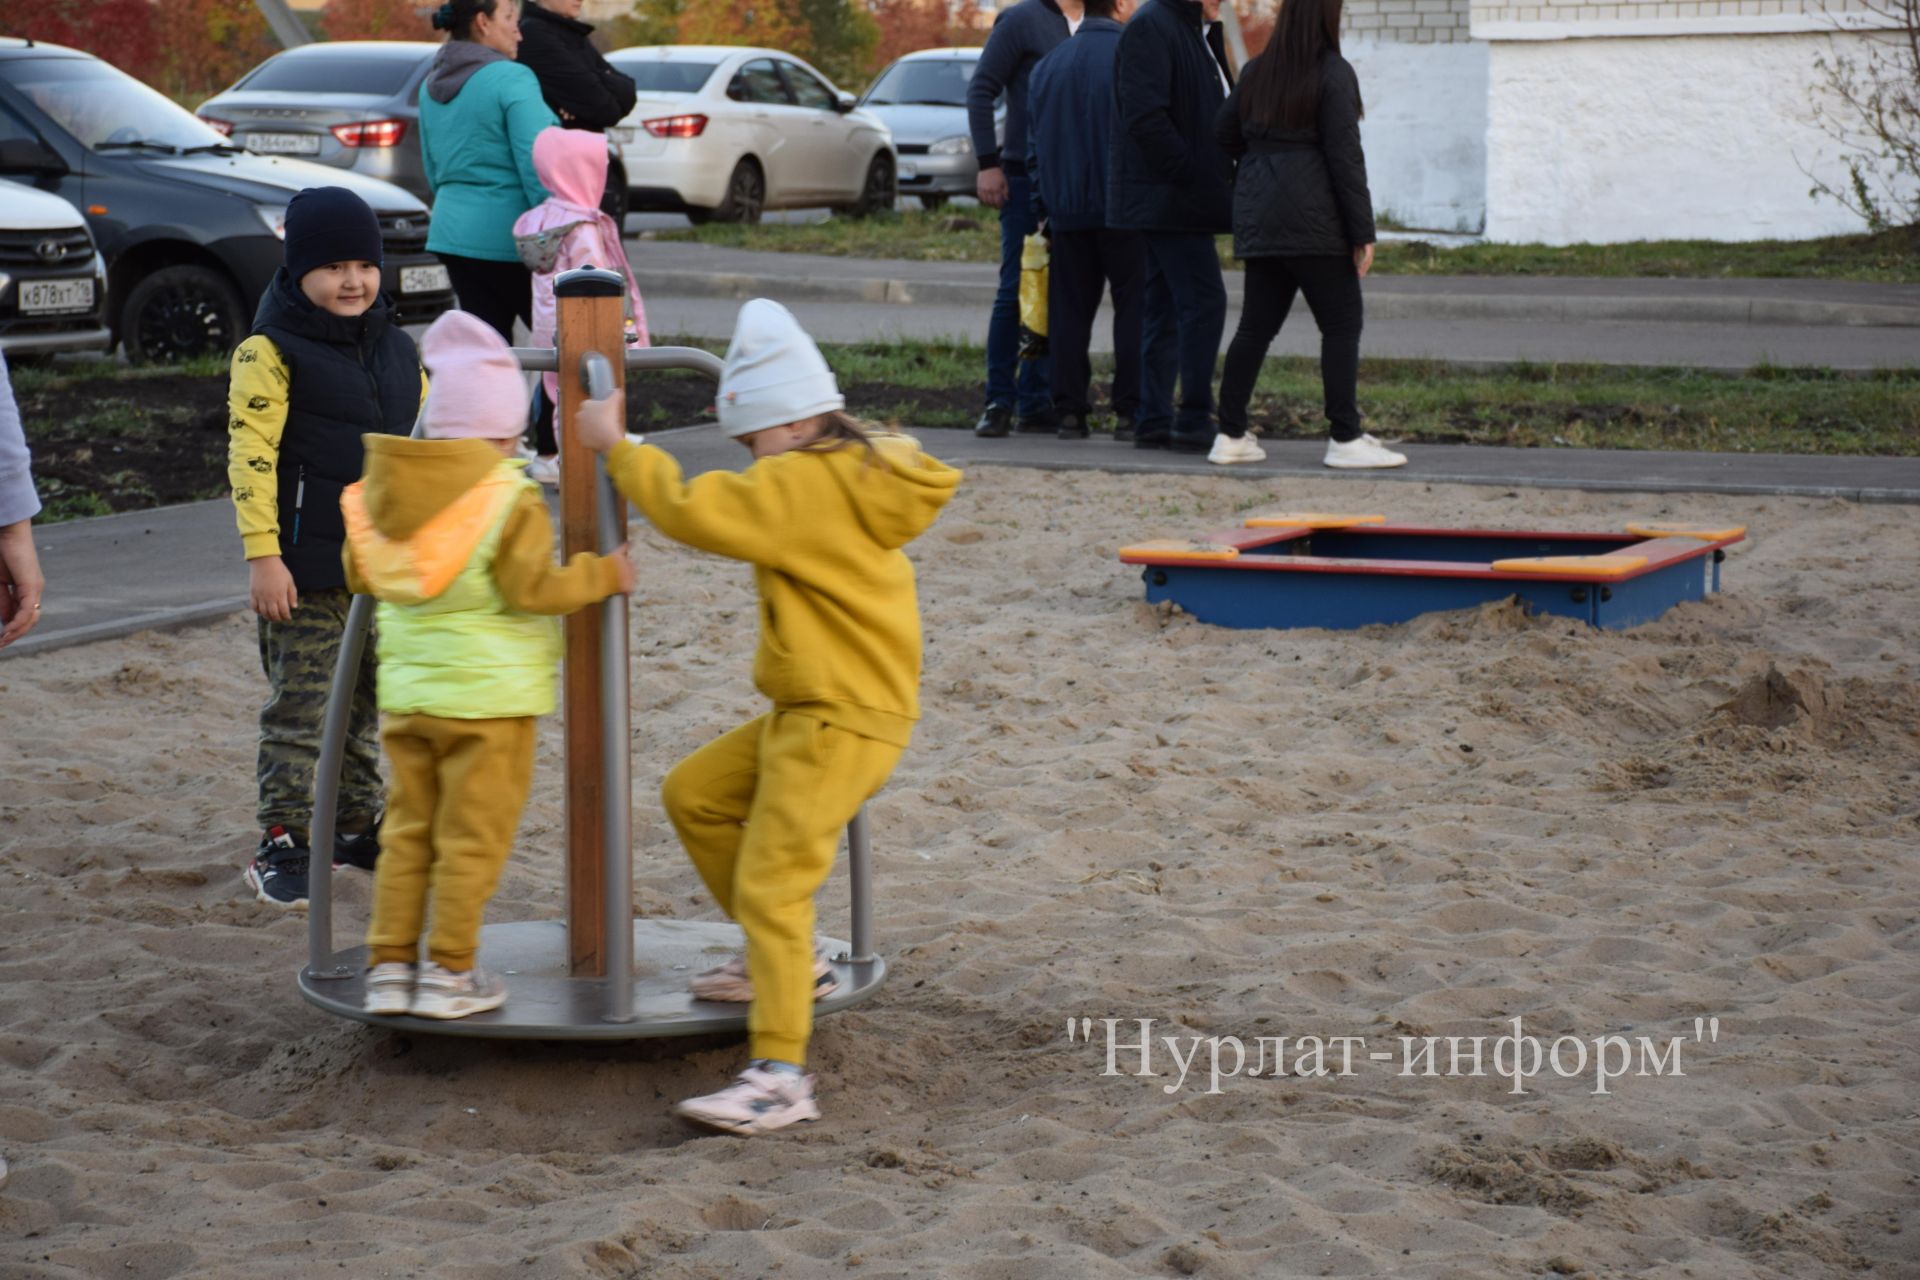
(121,32)
(206,44)
(907,25)
(374,20)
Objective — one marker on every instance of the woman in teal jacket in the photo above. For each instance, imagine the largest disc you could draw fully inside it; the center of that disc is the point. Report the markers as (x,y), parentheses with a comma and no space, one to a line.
(479,113)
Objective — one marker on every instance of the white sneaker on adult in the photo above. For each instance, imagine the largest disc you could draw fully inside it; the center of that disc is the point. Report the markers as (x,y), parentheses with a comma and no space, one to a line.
(1228,450)
(760,1100)
(545,470)
(1362,454)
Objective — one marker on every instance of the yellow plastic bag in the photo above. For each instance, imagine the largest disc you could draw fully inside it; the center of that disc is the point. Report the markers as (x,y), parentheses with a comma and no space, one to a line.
(1034,259)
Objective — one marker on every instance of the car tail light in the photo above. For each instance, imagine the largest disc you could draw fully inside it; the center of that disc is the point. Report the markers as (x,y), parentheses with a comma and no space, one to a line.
(371,133)
(676,126)
(222,127)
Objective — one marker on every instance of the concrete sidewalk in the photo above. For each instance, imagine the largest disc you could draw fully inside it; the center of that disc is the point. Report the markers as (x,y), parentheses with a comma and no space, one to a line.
(116,575)
(686,270)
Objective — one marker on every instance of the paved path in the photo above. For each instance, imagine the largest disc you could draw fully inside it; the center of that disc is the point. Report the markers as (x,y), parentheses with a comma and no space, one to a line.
(119,574)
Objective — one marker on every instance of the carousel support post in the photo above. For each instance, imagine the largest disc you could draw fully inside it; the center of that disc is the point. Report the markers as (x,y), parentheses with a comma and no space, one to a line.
(599,916)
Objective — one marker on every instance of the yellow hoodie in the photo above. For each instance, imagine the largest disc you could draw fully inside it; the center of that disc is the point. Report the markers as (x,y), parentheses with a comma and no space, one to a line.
(839,621)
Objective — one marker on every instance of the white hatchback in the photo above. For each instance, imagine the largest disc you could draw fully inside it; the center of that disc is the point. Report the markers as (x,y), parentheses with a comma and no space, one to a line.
(722,134)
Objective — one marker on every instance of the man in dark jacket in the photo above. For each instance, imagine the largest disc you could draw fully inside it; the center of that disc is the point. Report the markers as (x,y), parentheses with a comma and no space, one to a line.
(581,87)
(1022,35)
(1169,179)
(1067,166)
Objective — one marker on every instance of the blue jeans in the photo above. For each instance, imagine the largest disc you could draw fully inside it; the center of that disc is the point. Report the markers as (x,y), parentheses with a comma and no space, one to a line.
(1186,314)
(1024,385)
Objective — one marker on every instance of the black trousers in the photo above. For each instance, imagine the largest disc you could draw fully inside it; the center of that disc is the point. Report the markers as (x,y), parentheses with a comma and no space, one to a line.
(500,293)
(1083,266)
(1332,288)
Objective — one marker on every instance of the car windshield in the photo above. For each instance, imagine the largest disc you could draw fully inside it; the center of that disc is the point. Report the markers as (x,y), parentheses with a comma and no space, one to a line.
(657,75)
(105,109)
(378,75)
(930,82)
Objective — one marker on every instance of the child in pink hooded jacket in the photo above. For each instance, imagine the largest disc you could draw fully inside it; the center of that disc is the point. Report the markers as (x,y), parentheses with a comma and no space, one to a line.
(565,231)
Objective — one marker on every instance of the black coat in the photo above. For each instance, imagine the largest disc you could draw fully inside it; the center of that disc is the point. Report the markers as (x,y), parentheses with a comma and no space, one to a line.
(1300,192)
(581,87)
(1165,171)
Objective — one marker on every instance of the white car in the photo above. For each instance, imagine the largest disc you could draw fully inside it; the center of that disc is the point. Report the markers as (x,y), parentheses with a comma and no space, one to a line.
(53,284)
(723,134)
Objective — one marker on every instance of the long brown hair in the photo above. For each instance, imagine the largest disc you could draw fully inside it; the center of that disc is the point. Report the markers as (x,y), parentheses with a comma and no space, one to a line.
(1282,87)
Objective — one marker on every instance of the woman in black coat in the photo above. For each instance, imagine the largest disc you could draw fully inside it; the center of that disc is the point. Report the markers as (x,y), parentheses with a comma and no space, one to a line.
(1302,222)
(581,86)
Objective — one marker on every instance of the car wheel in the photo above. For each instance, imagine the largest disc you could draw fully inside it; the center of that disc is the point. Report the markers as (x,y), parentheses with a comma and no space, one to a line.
(179,312)
(746,198)
(933,203)
(879,191)
(614,202)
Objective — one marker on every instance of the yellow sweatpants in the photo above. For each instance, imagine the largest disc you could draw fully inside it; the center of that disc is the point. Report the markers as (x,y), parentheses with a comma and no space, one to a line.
(760,811)
(458,789)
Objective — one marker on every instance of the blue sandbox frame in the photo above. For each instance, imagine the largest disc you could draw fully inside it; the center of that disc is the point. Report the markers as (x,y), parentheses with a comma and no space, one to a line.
(1342,579)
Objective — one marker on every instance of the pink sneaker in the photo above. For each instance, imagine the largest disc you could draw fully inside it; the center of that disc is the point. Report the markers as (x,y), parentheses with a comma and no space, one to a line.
(759,1100)
(729,982)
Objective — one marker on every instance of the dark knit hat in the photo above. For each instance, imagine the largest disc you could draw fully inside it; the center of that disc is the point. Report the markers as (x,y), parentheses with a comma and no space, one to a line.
(330,224)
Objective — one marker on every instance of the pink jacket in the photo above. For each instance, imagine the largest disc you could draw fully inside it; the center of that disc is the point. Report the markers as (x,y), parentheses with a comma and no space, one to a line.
(568,230)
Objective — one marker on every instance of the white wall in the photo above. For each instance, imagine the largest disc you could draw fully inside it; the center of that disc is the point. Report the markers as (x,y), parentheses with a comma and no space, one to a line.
(1677,137)
(1425,130)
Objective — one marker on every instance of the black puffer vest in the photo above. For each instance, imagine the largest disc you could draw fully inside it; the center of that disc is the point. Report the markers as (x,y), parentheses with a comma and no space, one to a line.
(346,377)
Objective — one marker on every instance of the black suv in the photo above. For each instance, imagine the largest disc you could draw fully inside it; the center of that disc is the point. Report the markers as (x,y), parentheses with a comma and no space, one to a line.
(190,225)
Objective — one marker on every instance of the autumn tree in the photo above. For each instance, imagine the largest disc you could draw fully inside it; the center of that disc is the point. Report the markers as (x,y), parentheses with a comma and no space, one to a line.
(907,25)
(373,20)
(121,32)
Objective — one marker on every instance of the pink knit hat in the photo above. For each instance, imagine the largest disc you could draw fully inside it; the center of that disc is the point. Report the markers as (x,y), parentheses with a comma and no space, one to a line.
(476,389)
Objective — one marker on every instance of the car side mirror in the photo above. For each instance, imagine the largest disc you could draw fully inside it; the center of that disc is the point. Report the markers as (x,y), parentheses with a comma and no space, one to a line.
(737,90)
(26,155)
(844,102)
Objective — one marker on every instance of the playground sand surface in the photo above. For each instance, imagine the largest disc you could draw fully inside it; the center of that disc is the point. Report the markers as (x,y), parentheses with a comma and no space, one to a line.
(1110,811)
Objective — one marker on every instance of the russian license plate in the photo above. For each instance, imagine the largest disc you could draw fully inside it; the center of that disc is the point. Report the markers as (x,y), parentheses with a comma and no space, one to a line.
(620,134)
(432,279)
(41,297)
(909,171)
(282,144)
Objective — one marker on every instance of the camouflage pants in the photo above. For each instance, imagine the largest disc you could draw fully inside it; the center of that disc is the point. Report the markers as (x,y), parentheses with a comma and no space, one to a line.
(298,657)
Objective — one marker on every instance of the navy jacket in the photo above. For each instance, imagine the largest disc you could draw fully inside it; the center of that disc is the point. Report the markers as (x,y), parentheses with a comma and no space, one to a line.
(1166,172)
(1067,143)
(1021,37)
(1301,191)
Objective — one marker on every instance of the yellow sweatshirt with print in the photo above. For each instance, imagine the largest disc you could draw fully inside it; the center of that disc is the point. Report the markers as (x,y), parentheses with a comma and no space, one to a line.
(823,529)
(257,390)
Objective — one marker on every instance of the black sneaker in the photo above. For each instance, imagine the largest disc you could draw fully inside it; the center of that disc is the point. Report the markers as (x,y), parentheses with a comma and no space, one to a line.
(360,849)
(1037,424)
(997,421)
(1180,442)
(1073,427)
(1150,442)
(278,873)
(1123,429)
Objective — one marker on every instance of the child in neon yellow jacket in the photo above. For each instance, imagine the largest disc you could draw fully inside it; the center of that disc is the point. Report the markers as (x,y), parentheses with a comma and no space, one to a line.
(822,515)
(455,541)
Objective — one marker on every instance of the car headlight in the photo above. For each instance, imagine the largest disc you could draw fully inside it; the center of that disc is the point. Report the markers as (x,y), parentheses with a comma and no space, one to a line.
(274,218)
(958,145)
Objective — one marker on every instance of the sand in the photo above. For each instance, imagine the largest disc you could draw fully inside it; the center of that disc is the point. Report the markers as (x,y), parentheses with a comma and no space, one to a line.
(1110,811)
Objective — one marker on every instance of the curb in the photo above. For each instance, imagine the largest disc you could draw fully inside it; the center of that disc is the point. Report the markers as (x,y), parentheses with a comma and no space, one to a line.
(160,620)
(900,291)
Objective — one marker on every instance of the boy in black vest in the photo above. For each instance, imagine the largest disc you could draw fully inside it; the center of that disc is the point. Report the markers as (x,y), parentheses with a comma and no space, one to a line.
(326,363)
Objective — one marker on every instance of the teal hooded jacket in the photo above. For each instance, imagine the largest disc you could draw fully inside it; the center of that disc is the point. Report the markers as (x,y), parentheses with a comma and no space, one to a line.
(479,114)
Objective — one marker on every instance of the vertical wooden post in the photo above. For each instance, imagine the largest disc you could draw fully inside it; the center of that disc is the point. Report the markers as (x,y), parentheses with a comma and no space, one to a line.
(590,318)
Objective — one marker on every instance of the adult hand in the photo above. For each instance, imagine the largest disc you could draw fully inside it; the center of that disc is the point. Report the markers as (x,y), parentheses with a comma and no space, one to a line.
(991,188)
(1363,260)
(622,557)
(600,424)
(20,582)
(270,589)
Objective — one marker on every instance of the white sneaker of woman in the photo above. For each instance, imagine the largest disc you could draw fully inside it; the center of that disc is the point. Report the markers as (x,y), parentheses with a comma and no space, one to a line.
(1228,450)
(1361,454)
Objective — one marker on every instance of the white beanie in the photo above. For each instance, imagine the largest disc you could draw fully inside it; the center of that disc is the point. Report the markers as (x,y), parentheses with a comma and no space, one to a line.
(774,373)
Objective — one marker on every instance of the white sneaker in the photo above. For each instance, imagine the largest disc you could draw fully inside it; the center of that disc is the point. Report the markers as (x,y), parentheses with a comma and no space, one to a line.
(545,470)
(760,1100)
(389,988)
(1228,450)
(729,982)
(1361,454)
(442,993)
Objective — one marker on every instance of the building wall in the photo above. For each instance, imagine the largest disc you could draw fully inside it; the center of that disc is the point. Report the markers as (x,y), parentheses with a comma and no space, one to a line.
(1665,137)
(1425,129)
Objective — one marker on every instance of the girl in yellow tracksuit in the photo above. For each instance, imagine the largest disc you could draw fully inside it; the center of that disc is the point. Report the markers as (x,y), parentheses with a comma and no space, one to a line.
(822,515)
(455,541)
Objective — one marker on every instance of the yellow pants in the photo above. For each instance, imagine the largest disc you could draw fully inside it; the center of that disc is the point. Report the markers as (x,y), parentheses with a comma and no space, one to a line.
(760,811)
(458,789)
